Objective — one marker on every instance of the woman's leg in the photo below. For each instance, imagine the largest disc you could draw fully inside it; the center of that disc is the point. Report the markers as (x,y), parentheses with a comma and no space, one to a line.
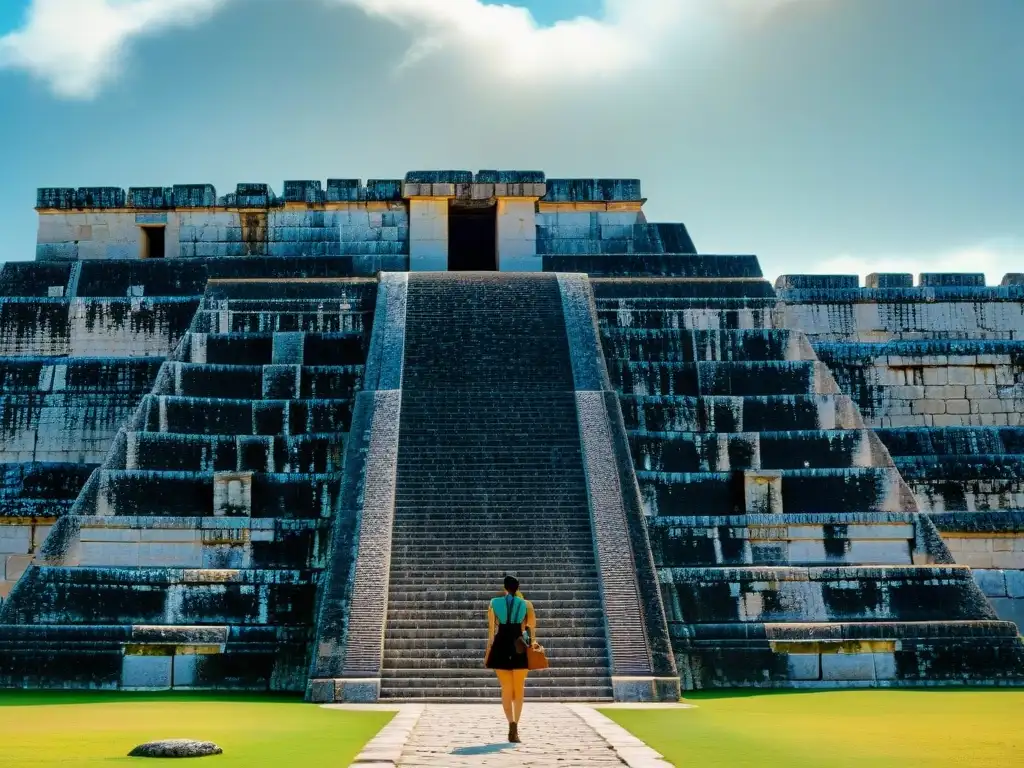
(519,693)
(507,691)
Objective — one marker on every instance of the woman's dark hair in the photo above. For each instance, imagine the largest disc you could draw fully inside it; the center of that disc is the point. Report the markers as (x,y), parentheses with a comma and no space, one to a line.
(511,584)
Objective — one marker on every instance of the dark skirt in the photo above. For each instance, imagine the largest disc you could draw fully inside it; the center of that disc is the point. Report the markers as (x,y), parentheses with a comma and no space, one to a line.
(503,653)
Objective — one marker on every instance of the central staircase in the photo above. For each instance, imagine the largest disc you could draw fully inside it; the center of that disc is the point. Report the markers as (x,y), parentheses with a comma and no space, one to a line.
(490,481)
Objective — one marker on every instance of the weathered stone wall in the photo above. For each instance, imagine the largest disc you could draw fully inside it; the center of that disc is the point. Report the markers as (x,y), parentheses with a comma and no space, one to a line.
(602,217)
(369,222)
(77,353)
(938,370)
(212,506)
(383,225)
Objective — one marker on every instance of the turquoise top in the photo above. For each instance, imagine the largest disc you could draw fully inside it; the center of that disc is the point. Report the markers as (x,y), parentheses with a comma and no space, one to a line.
(500,607)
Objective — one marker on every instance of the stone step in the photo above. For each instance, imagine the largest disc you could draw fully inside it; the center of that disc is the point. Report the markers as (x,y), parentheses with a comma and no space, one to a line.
(492,539)
(683,542)
(695,314)
(721,378)
(223,453)
(456,694)
(460,575)
(663,250)
(489,575)
(263,382)
(25,373)
(399,679)
(797,595)
(231,416)
(163,596)
(953,441)
(192,494)
(593,659)
(488,551)
(658,414)
(852,489)
(262,348)
(446,613)
(687,346)
(740,276)
(551,555)
(566,642)
(305,279)
(436,629)
(730,451)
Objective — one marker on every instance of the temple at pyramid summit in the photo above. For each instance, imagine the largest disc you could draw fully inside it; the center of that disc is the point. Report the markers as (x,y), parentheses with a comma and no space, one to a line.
(293,443)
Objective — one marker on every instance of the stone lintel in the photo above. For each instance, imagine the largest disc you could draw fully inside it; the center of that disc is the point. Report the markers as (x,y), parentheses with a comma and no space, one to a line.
(610,206)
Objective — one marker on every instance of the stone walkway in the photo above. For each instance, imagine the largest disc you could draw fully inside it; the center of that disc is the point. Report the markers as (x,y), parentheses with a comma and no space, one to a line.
(454,735)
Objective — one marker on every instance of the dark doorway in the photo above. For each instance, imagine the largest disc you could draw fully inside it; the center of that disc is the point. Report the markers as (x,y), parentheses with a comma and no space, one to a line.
(154,242)
(472,238)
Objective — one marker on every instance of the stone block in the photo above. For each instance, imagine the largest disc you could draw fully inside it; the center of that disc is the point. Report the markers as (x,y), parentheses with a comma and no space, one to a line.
(288,348)
(357,690)
(960,375)
(803,666)
(1009,609)
(889,280)
(1015,583)
(643,689)
(980,392)
(114,554)
(16,565)
(232,494)
(148,672)
(958,407)
(320,691)
(15,539)
(895,552)
(171,554)
(950,279)
(885,666)
(849,667)
(991,582)
(1008,560)
(184,670)
(762,491)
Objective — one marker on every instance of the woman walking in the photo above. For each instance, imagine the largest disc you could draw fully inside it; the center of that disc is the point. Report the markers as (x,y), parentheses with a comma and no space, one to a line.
(512,628)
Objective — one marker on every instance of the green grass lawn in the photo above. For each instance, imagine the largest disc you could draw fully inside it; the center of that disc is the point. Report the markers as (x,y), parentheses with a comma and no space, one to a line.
(74,729)
(835,729)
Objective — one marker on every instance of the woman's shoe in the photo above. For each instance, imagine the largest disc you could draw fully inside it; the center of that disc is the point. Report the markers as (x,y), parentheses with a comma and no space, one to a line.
(513,733)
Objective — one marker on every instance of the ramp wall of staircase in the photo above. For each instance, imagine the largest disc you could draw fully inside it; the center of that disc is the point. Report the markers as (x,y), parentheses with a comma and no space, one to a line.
(490,481)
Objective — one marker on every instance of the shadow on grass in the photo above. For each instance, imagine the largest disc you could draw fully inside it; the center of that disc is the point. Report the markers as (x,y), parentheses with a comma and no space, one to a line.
(10,698)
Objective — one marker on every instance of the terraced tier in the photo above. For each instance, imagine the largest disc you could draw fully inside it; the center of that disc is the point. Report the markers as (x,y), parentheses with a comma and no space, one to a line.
(214,504)
(789,546)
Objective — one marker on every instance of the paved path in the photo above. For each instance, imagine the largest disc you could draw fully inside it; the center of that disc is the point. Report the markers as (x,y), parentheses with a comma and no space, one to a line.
(455,735)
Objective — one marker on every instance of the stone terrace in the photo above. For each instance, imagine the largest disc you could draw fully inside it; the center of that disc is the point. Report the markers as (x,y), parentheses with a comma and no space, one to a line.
(263,442)
(938,370)
(196,545)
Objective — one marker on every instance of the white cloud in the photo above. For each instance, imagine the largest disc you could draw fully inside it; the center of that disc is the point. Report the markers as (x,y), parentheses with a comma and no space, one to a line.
(994,257)
(508,41)
(75,45)
(78,46)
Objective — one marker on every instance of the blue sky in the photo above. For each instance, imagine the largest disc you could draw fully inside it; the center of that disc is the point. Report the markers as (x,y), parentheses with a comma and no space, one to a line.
(823,135)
